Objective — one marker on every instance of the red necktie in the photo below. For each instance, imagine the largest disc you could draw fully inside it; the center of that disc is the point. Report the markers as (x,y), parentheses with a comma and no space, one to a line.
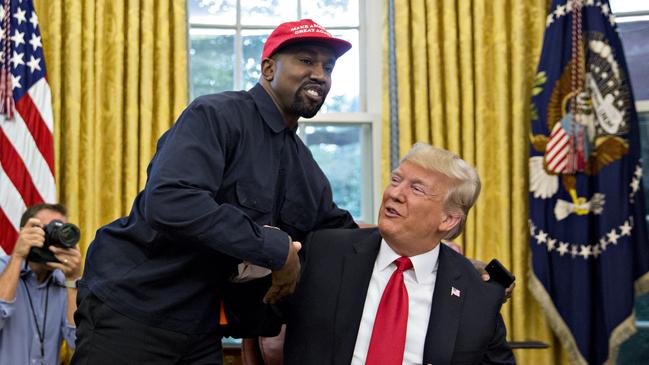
(389,333)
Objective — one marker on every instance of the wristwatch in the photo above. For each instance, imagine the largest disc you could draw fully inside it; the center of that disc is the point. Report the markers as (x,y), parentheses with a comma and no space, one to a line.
(72,284)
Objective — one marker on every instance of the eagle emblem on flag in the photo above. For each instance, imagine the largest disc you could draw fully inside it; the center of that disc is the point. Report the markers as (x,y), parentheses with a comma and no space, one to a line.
(587,127)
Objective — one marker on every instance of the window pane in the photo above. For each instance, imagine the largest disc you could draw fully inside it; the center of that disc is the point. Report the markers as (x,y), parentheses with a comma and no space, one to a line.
(344,94)
(331,12)
(337,149)
(636,51)
(252,45)
(212,61)
(268,12)
(212,12)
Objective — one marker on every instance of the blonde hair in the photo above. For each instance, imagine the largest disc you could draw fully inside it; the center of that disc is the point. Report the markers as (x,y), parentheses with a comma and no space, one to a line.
(465,188)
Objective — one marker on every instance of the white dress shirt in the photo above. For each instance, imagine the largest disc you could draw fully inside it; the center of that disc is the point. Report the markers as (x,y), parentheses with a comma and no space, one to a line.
(420,283)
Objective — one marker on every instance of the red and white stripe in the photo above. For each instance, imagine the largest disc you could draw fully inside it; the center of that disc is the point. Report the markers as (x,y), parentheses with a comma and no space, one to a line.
(557,150)
(26,160)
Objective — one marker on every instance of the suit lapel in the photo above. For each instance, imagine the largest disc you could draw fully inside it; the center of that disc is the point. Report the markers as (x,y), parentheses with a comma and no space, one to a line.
(356,275)
(445,311)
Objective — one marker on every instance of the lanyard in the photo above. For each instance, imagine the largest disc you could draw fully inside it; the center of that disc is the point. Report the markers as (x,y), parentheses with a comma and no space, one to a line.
(41,335)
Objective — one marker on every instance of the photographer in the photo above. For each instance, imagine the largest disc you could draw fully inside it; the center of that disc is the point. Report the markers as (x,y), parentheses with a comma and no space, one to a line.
(38,288)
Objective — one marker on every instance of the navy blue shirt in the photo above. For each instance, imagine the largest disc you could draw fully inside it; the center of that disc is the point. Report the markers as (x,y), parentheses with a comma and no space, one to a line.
(227,167)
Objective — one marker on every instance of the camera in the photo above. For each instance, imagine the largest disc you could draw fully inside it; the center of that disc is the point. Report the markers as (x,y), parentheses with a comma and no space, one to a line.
(57,233)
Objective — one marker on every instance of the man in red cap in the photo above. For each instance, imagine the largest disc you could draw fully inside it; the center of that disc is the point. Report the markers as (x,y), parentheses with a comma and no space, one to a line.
(231,191)
(296,66)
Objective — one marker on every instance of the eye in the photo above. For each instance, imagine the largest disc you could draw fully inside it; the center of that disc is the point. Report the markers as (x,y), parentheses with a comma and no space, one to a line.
(329,68)
(306,61)
(418,190)
(394,180)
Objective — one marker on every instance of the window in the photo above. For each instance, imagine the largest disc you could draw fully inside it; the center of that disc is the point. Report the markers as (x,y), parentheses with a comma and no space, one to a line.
(226,39)
(633,27)
(348,141)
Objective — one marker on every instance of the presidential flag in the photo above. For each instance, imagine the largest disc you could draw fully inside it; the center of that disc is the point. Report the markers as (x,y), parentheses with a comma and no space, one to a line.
(26,123)
(588,234)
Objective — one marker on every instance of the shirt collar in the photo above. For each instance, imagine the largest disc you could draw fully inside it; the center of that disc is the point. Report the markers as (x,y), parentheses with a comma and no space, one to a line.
(56,277)
(268,110)
(423,265)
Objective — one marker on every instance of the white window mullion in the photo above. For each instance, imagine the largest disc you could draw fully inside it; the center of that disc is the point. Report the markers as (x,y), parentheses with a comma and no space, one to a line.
(238,51)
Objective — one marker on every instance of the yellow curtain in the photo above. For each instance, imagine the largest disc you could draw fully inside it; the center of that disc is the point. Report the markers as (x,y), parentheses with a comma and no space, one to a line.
(118,73)
(464,76)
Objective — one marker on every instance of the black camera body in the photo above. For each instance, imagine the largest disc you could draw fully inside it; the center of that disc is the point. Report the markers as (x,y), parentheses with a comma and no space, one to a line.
(59,234)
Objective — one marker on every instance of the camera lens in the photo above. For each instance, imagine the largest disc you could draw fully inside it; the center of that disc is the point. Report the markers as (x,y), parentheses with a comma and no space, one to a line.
(69,235)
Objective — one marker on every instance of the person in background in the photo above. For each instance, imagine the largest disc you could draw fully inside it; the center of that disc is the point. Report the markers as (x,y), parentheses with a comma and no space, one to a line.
(37,299)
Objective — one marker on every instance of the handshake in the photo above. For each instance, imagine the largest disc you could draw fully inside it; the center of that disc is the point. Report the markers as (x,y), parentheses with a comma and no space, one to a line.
(285,279)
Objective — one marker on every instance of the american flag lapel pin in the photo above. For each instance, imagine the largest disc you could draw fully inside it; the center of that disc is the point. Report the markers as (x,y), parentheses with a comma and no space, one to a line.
(455,291)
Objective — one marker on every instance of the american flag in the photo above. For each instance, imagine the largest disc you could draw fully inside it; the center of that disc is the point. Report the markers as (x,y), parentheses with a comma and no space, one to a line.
(455,292)
(556,153)
(26,123)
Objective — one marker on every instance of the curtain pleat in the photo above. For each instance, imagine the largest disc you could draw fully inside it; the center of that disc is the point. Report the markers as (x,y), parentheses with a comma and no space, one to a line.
(118,74)
(118,71)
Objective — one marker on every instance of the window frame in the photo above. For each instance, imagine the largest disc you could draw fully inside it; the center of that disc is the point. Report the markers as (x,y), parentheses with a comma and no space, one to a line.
(642,106)
(370,144)
(370,102)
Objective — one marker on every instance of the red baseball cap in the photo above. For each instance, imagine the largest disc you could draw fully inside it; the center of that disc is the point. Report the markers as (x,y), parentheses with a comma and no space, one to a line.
(302,31)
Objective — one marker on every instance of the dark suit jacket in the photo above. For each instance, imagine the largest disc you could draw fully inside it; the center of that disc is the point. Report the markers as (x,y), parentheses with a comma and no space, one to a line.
(324,315)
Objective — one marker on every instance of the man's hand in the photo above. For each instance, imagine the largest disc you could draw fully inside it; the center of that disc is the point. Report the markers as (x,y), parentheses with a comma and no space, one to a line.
(70,261)
(285,279)
(31,235)
(480,266)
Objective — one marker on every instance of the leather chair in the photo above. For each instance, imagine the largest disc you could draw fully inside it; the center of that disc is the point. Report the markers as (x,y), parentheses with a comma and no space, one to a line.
(263,350)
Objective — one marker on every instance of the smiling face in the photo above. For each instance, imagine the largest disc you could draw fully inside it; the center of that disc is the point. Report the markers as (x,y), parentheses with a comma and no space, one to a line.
(412,217)
(298,79)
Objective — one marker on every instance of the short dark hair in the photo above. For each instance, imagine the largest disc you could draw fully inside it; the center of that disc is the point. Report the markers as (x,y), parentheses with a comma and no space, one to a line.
(34,209)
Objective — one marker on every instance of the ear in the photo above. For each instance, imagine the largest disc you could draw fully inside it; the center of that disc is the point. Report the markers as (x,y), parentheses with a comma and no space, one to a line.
(449,222)
(268,69)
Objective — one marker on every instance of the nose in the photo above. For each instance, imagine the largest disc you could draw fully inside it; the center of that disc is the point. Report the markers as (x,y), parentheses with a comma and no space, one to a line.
(396,192)
(318,72)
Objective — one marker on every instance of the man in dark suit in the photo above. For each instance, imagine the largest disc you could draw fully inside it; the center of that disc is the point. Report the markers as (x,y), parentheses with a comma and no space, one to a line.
(393,294)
